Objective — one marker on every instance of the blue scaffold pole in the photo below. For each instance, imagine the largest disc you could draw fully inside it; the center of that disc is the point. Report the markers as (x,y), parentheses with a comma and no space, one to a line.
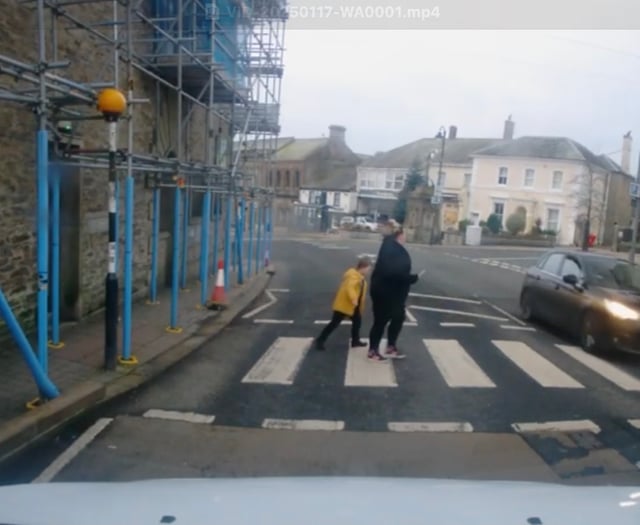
(155,234)
(128,266)
(260,211)
(251,227)
(204,247)
(185,240)
(175,264)
(217,203)
(240,239)
(54,178)
(227,240)
(47,389)
(42,230)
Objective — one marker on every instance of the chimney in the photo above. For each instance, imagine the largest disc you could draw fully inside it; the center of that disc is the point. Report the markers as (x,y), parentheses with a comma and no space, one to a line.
(625,162)
(453,132)
(509,128)
(337,133)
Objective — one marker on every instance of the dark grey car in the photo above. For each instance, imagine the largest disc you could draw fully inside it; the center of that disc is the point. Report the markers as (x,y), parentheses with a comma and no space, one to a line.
(592,296)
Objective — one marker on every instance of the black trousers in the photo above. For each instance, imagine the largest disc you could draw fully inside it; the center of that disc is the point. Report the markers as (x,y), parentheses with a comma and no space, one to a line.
(338,317)
(386,312)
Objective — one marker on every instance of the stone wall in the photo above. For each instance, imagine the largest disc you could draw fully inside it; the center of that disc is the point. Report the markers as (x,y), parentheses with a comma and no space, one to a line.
(154,132)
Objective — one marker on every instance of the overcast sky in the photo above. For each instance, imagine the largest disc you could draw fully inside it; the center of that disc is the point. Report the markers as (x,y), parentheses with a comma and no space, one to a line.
(393,87)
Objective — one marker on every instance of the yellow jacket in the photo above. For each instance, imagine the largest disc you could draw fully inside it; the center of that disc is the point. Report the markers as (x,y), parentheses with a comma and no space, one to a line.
(353,285)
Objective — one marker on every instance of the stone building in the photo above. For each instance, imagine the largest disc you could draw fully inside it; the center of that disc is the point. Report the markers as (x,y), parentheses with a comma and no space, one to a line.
(84,223)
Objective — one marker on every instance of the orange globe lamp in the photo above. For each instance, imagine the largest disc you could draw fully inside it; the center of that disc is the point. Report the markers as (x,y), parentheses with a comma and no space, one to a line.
(111,103)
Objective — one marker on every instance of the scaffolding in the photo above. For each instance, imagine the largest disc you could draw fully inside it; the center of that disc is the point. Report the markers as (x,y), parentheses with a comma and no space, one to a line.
(222,56)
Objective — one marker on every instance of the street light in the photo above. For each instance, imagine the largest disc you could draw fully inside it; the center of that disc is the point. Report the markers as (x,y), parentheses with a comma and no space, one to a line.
(437,195)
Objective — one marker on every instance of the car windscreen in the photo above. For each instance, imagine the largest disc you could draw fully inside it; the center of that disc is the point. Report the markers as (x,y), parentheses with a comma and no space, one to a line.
(613,273)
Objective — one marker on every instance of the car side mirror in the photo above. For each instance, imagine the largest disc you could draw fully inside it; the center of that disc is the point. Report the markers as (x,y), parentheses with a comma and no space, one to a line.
(571,279)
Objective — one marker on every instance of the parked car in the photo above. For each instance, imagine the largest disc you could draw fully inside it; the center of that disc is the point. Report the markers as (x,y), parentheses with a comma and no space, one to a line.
(593,296)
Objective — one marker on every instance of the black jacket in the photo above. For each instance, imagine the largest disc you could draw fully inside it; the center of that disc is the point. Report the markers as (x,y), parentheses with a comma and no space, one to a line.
(392,277)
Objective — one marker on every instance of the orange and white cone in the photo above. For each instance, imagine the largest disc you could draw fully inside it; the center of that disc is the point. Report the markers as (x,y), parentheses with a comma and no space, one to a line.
(218,296)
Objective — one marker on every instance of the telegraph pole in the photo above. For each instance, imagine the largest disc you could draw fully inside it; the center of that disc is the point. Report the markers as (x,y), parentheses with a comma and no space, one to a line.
(636,217)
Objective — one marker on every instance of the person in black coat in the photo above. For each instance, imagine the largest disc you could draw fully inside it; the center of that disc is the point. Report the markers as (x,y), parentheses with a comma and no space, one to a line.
(390,283)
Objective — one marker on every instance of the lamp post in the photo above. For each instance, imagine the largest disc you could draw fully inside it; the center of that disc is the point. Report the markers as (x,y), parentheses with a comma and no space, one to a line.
(437,194)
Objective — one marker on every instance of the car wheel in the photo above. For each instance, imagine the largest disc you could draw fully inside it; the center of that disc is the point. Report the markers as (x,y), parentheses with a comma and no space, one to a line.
(590,333)
(526,311)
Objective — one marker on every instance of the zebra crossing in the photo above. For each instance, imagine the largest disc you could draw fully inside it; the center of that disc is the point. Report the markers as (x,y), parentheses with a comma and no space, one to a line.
(281,363)
(325,246)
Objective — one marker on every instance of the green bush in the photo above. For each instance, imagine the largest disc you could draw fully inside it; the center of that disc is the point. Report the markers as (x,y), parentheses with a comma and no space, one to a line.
(516,223)
(494,223)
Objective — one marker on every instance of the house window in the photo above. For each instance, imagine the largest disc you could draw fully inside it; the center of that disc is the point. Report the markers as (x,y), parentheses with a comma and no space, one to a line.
(498,209)
(270,178)
(529,175)
(556,182)
(336,199)
(399,182)
(287,177)
(297,178)
(553,219)
(467,179)
(442,177)
(278,179)
(502,176)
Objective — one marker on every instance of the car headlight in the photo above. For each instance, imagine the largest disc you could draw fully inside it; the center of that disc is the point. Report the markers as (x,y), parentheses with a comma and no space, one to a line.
(621,311)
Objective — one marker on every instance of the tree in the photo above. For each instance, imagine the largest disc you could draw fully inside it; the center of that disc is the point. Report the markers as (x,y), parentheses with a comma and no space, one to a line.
(590,192)
(516,222)
(413,180)
(494,223)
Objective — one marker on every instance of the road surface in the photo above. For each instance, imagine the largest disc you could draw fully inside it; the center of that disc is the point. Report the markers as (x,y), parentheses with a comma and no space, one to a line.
(481,395)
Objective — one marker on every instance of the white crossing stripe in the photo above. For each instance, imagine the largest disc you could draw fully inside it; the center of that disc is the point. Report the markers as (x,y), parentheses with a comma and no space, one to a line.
(432,426)
(363,372)
(281,362)
(584,425)
(189,417)
(273,321)
(634,423)
(458,325)
(457,367)
(520,328)
(599,366)
(409,316)
(302,424)
(458,312)
(444,298)
(535,366)
(326,321)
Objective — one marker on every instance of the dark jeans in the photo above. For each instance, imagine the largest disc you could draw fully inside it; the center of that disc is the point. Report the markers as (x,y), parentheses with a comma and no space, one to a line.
(386,311)
(338,317)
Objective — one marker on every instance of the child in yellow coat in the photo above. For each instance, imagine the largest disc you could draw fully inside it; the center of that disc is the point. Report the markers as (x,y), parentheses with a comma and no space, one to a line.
(349,302)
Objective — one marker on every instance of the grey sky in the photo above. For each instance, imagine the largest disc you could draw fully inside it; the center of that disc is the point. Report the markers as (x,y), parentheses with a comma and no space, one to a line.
(392,87)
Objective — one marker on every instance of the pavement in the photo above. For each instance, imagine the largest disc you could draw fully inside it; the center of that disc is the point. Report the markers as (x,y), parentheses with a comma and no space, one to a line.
(77,368)
(481,395)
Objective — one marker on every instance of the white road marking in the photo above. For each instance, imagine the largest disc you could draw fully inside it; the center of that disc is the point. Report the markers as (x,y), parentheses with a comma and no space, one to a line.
(70,453)
(634,423)
(281,362)
(457,367)
(584,425)
(363,372)
(503,312)
(457,312)
(425,426)
(273,321)
(538,368)
(410,316)
(519,328)
(189,417)
(326,321)
(444,298)
(272,301)
(457,325)
(279,290)
(302,424)
(599,366)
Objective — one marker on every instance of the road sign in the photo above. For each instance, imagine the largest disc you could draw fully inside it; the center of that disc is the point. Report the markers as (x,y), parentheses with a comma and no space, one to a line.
(634,190)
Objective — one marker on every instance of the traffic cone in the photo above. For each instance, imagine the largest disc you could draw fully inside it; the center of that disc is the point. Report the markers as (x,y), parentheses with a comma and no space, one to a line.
(218,296)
